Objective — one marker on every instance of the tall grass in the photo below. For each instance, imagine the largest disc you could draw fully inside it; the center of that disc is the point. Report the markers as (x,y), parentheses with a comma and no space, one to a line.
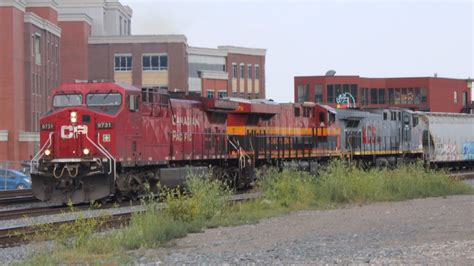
(207,205)
(340,182)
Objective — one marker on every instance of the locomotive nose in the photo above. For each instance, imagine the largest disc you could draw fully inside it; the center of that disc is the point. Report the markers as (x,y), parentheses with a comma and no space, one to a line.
(75,133)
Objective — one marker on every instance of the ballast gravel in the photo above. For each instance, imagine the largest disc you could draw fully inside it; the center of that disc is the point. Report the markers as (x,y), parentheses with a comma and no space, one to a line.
(424,231)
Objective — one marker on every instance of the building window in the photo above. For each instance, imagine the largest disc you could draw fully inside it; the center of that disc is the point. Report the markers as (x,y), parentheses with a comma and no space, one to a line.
(242,95)
(32,45)
(257,95)
(234,71)
(338,91)
(381,96)
(397,96)
(455,97)
(210,94)
(222,94)
(354,92)
(234,94)
(318,93)
(120,25)
(241,71)
(303,93)
(417,96)
(330,93)
(249,71)
(410,96)
(257,72)
(37,48)
(123,63)
(346,88)
(404,96)
(391,96)
(424,95)
(155,62)
(373,96)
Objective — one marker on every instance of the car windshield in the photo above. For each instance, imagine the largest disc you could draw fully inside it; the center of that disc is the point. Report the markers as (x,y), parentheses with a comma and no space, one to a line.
(66,100)
(104,102)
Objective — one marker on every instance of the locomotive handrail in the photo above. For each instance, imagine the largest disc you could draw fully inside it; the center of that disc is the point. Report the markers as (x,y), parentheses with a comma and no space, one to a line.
(40,153)
(101,149)
(111,157)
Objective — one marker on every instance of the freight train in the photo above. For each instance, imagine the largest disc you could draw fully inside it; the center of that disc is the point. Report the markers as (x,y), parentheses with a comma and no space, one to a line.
(102,140)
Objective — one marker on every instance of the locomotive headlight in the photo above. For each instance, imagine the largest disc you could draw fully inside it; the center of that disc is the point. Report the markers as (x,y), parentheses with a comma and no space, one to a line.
(73,117)
(47,152)
(86,151)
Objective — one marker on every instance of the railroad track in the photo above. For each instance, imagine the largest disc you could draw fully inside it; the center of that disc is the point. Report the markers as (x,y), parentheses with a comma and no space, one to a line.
(51,210)
(468,174)
(19,235)
(16,236)
(16,196)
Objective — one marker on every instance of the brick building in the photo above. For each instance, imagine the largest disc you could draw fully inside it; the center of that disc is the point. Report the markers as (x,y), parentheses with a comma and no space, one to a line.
(432,94)
(81,20)
(154,62)
(48,42)
(29,56)
(227,71)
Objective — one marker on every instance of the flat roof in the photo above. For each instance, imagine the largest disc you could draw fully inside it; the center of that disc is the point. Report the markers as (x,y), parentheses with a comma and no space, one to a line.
(138,39)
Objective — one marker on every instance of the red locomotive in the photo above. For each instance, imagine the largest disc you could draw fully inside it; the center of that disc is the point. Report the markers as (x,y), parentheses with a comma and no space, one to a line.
(106,139)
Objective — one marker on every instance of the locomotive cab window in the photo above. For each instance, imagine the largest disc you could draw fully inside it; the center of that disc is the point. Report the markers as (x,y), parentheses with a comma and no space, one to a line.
(352,123)
(133,101)
(415,121)
(406,119)
(332,118)
(297,111)
(322,116)
(67,100)
(108,103)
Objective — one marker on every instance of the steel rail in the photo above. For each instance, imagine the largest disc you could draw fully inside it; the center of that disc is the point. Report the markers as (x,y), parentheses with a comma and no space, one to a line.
(19,235)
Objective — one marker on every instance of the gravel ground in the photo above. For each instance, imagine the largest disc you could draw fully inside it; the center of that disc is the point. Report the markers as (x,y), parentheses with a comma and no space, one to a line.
(424,231)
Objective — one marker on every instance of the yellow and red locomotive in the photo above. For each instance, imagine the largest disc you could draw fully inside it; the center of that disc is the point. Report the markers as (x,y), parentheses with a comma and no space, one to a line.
(107,139)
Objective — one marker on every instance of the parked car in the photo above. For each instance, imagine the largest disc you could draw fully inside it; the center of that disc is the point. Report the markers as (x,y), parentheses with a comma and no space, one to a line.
(13,179)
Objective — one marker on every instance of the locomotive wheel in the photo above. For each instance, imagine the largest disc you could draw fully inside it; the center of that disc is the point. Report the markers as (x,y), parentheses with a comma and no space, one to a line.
(230,177)
(118,197)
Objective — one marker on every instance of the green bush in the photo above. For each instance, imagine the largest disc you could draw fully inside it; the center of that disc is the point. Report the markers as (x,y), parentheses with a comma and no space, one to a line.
(288,188)
(206,198)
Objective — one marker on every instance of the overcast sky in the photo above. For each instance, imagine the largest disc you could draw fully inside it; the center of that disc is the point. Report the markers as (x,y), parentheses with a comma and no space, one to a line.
(366,38)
